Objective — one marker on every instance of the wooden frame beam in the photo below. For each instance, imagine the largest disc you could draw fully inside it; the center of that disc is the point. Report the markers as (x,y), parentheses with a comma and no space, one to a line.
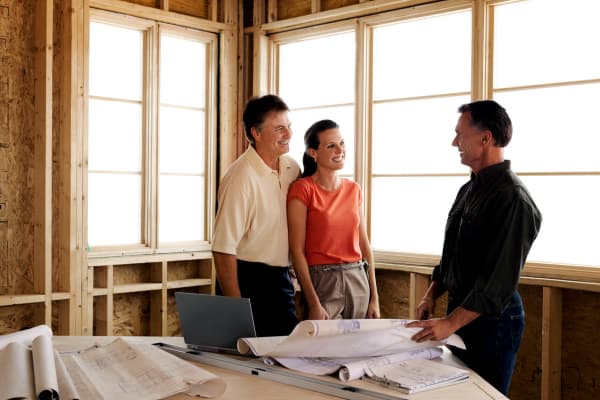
(42,202)
(551,343)
(230,70)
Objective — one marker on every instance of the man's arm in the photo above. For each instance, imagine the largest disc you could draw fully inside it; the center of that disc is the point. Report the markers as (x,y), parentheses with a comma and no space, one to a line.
(226,266)
(438,328)
(427,304)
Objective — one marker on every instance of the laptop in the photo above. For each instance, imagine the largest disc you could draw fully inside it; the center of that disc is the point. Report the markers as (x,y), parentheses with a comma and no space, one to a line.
(214,323)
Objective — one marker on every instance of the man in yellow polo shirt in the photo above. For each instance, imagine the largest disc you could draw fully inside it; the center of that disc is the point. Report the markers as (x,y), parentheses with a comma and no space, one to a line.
(250,245)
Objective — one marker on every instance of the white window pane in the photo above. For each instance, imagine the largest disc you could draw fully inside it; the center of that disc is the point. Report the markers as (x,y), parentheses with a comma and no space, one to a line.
(302,120)
(181,140)
(181,208)
(554,129)
(115,62)
(115,137)
(422,57)
(541,41)
(569,207)
(317,71)
(416,136)
(409,214)
(182,72)
(114,209)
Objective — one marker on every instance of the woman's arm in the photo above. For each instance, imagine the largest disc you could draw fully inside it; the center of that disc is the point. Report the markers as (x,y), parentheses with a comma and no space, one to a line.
(297,215)
(367,253)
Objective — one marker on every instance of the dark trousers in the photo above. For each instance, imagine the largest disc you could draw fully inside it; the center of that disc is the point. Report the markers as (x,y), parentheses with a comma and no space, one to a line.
(492,343)
(271,295)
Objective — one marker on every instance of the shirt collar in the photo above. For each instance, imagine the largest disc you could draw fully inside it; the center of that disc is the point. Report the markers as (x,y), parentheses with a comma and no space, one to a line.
(261,167)
(489,174)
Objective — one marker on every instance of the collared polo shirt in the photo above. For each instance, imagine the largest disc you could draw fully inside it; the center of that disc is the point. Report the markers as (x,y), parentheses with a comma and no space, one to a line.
(251,221)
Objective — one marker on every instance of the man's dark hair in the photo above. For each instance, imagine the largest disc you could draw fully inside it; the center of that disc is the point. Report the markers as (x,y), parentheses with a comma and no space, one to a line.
(257,109)
(487,114)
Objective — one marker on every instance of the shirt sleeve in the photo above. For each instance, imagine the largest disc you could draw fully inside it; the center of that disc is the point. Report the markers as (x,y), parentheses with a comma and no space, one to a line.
(436,275)
(233,216)
(300,190)
(517,223)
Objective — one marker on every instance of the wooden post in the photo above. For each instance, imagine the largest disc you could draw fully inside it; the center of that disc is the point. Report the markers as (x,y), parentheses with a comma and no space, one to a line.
(418,286)
(42,203)
(213,10)
(362,117)
(551,343)
(315,6)
(272,11)
(229,63)
(482,44)
(76,112)
(158,300)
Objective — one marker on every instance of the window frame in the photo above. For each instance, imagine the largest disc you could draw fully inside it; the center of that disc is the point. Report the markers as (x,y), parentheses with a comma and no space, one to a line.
(283,38)
(151,31)
(481,87)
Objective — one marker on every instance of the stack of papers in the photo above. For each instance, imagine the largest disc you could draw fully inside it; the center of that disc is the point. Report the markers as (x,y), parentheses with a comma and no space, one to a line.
(122,370)
(416,375)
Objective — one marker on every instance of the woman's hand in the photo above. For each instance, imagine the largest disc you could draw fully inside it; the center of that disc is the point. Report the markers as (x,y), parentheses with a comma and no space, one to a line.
(317,312)
(373,310)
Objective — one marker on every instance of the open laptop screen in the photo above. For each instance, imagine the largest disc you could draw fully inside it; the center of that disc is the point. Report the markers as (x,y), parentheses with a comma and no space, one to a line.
(214,323)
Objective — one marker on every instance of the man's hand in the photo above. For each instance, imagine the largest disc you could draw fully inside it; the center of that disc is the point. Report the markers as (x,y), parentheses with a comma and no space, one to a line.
(433,329)
(441,328)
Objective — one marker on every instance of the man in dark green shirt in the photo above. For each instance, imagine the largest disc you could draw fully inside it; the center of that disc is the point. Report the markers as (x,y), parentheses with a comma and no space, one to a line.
(490,229)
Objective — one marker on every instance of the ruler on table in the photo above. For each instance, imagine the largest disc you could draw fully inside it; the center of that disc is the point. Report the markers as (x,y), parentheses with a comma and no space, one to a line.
(256,367)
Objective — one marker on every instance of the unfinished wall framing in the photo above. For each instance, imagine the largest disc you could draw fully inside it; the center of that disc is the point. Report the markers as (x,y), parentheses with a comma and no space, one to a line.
(45,276)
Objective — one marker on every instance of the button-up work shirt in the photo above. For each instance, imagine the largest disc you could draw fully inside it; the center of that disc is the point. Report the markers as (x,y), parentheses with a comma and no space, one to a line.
(490,229)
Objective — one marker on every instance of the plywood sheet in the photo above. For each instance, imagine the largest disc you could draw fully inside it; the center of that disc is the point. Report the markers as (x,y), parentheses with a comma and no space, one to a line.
(16,143)
(131,314)
(147,3)
(134,273)
(191,269)
(195,8)
(292,8)
(581,345)
(15,318)
(393,288)
(333,4)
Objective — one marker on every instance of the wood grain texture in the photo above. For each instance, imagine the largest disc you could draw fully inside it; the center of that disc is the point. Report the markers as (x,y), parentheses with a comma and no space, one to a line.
(527,377)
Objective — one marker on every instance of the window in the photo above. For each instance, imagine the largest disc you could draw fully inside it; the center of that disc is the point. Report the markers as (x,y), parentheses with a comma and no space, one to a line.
(151,124)
(415,170)
(548,78)
(329,93)
(419,65)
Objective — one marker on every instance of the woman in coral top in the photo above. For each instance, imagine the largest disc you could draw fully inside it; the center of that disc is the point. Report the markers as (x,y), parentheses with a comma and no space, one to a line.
(330,250)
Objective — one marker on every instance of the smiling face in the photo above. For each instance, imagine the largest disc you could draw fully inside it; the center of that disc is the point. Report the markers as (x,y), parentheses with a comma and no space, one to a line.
(470,141)
(331,153)
(272,138)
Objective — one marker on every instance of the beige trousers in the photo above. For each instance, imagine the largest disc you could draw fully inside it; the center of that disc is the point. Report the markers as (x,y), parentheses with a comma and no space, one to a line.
(343,289)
